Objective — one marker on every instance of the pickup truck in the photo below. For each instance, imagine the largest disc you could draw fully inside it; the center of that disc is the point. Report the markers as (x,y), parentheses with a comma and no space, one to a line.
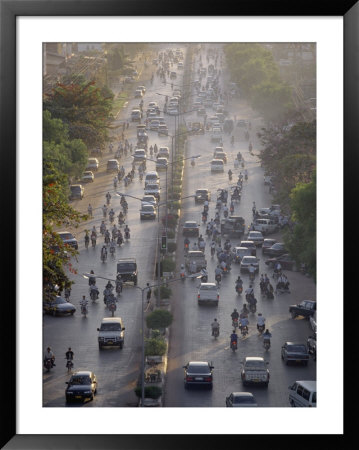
(233,226)
(127,268)
(306,308)
(254,371)
(198,257)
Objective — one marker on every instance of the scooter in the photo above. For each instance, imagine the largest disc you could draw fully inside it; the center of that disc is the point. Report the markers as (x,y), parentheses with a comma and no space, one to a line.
(93,294)
(266,344)
(260,328)
(48,364)
(233,345)
(244,330)
(239,289)
(235,323)
(112,251)
(84,310)
(215,332)
(93,241)
(69,365)
(112,307)
(252,307)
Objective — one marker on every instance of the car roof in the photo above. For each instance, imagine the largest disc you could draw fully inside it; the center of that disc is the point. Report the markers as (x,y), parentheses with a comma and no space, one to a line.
(242,394)
(82,373)
(247,242)
(295,343)
(199,363)
(254,358)
(208,284)
(308,384)
(190,221)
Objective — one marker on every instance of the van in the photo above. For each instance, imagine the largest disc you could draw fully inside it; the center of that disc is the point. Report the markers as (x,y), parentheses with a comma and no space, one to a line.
(217,165)
(151,177)
(265,226)
(111,332)
(113,165)
(303,394)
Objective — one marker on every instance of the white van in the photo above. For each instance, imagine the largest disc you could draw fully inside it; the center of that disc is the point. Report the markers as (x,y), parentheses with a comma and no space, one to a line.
(303,393)
(265,226)
(151,177)
(217,165)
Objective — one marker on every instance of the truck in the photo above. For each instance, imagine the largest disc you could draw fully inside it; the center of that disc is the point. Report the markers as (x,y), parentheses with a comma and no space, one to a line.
(233,226)
(127,268)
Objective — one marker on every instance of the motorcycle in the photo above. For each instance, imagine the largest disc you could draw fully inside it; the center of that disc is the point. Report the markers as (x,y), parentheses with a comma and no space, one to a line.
(218,278)
(204,218)
(246,177)
(112,307)
(93,294)
(251,276)
(312,346)
(84,310)
(112,217)
(230,177)
(93,241)
(112,251)
(231,209)
(252,308)
(233,345)
(186,248)
(239,289)
(235,323)
(260,328)
(118,288)
(266,344)
(127,235)
(244,331)
(69,365)
(182,275)
(107,240)
(108,200)
(119,240)
(48,364)
(213,251)
(225,213)
(215,332)
(103,256)
(87,240)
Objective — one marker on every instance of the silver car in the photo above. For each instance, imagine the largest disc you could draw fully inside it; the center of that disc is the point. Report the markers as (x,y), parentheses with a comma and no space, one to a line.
(249,261)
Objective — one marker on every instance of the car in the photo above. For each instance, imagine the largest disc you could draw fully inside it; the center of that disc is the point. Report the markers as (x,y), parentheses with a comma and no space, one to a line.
(153,189)
(147,211)
(127,268)
(201,195)
(217,149)
(173,75)
(286,261)
(163,152)
(139,155)
(143,89)
(82,386)
(249,261)
(112,166)
(216,135)
(172,111)
(111,333)
(208,293)
(277,249)
(241,400)
(151,199)
(138,93)
(306,308)
(242,123)
(58,306)
(256,237)
(303,394)
(295,352)
(197,257)
(136,115)
(161,164)
(239,253)
(217,165)
(222,156)
(234,226)
(153,105)
(265,226)
(88,177)
(180,65)
(68,239)
(152,177)
(162,130)
(76,191)
(92,164)
(190,228)
(198,373)
(251,245)
(155,123)
(267,243)
(254,371)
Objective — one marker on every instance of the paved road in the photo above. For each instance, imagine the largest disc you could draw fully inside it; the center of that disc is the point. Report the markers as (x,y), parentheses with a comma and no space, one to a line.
(191,334)
(117,370)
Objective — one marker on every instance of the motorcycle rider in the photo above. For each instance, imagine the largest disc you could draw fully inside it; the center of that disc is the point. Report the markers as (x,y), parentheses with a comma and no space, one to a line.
(112,246)
(230,173)
(92,279)
(235,314)
(87,238)
(104,211)
(234,337)
(94,288)
(231,207)
(121,218)
(214,326)
(245,311)
(89,210)
(83,302)
(260,321)
(249,292)
(266,336)
(49,355)
(243,323)
(119,283)
(239,283)
(104,252)
(225,210)
(127,232)
(148,292)
(251,270)
(102,227)
(111,214)
(213,248)
(69,355)
(108,197)
(182,271)
(115,181)
(186,243)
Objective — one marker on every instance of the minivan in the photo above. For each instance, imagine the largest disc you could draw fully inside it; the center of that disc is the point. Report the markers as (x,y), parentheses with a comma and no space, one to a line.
(217,165)
(112,165)
(303,394)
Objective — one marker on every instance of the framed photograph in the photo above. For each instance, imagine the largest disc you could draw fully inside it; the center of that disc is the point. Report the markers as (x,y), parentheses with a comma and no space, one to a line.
(122,107)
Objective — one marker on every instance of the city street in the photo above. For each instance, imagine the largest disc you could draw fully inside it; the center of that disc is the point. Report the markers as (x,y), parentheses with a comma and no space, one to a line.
(118,370)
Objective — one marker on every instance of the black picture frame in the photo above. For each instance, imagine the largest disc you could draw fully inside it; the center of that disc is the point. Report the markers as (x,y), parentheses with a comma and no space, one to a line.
(10,10)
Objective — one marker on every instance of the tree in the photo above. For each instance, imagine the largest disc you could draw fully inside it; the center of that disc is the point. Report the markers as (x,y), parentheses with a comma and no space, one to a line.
(84,108)
(155,347)
(160,318)
(56,212)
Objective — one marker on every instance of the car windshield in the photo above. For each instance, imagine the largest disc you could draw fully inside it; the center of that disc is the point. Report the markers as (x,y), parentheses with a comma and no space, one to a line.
(254,365)
(201,191)
(75,188)
(190,224)
(243,399)
(147,208)
(296,348)
(152,187)
(249,259)
(126,267)
(110,327)
(80,380)
(198,369)
(59,301)
(205,287)
(66,236)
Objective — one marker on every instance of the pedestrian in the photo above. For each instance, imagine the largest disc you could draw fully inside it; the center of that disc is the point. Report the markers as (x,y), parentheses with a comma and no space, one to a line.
(148,293)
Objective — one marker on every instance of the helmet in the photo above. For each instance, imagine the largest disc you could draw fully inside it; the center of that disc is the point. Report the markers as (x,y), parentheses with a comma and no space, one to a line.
(235,310)
(215,320)
(250,286)
(92,271)
(259,314)
(48,348)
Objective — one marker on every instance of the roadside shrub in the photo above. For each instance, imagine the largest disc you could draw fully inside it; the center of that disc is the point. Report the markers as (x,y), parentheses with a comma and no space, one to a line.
(175,205)
(170,234)
(155,347)
(171,247)
(168,265)
(160,318)
(150,392)
(165,292)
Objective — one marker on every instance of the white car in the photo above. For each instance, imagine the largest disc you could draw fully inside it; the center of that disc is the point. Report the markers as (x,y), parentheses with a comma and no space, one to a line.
(153,189)
(247,261)
(217,165)
(163,152)
(254,371)
(92,164)
(208,293)
(151,199)
(241,400)
(256,237)
(88,177)
(139,155)
(161,164)
(147,211)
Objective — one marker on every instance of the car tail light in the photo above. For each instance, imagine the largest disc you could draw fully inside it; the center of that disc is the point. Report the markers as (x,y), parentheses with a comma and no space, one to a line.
(217,297)
(199,296)
(208,379)
(189,378)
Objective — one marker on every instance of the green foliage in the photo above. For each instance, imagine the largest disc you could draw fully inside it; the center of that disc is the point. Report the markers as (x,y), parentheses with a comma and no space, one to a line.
(150,392)
(160,318)
(165,291)
(168,265)
(84,108)
(171,247)
(155,347)
(170,234)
